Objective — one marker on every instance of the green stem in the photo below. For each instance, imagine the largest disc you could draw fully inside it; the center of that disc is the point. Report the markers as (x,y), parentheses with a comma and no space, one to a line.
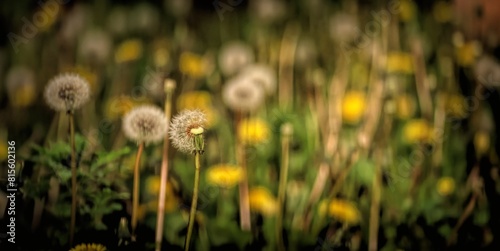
(192,213)
(245,219)
(135,198)
(73,178)
(285,152)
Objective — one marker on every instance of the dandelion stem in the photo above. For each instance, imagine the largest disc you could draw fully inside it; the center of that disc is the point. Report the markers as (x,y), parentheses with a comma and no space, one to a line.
(192,213)
(245,220)
(135,196)
(164,170)
(73,177)
(285,153)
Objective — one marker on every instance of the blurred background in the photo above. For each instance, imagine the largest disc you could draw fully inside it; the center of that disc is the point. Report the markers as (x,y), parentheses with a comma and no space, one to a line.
(394,107)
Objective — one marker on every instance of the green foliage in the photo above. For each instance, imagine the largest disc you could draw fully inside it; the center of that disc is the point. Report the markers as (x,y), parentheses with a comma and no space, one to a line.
(99,183)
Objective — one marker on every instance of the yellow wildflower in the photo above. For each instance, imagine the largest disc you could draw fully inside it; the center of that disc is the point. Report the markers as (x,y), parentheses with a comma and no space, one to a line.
(405,106)
(24,95)
(407,10)
(417,130)
(344,211)
(193,100)
(224,175)
(467,53)
(353,107)
(161,55)
(192,65)
(442,12)
(262,201)
(89,247)
(482,142)
(116,107)
(171,202)
(201,100)
(455,105)
(142,210)
(128,50)
(153,185)
(445,186)
(399,62)
(253,131)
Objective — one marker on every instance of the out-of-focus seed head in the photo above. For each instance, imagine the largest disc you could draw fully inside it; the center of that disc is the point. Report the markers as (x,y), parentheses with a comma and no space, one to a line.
(242,94)
(67,92)
(145,124)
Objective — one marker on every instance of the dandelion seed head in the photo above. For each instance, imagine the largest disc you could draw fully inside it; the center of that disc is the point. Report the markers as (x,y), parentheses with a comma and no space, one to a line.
(67,92)
(145,124)
(181,132)
(95,45)
(262,75)
(241,94)
(234,56)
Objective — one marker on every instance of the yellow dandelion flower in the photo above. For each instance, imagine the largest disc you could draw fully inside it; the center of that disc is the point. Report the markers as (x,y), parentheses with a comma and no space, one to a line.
(89,247)
(445,186)
(193,100)
(482,142)
(224,175)
(253,131)
(3,150)
(399,62)
(455,105)
(153,185)
(161,57)
(142,210)
(344,211)
(201,100)
(24,95)
(417,130)
(405,106)
(442,12)
(117,107)
(128,50)
(171,202)
(21,86)
(467,53)
(192,65)
(407,10)
(353,107)
(262,201)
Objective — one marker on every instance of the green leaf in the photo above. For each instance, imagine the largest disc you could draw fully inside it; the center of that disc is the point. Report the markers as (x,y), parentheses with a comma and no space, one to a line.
(104,158)
(363,171)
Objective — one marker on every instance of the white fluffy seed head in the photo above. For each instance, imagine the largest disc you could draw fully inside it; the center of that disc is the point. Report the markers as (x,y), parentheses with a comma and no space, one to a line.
(67,92)
(487,71)
(181,129)
(234,56)
(243,94)
(145,123)
(263,75)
